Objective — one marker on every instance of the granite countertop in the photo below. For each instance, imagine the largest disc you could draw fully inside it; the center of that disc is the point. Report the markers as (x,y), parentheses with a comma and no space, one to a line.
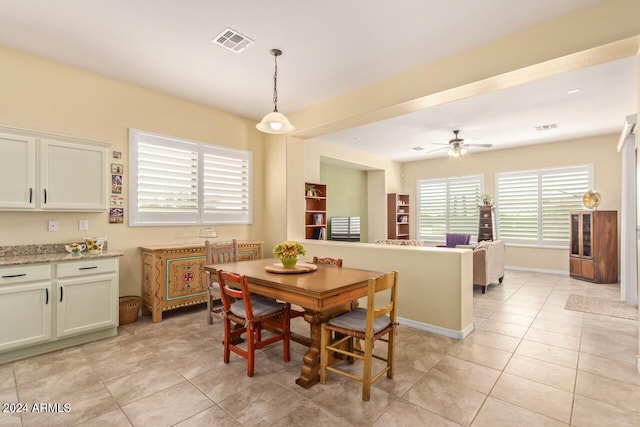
(50,252)
(54,257)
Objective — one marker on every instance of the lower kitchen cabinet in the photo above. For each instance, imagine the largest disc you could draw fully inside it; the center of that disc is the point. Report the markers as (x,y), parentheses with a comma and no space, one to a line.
(88,300)
(25,314)
(45,307)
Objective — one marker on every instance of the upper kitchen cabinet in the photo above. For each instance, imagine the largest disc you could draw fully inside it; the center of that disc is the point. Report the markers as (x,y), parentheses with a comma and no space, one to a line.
(46,172)
(18,171)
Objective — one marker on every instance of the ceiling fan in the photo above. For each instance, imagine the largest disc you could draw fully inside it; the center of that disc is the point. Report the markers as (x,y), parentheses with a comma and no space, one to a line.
(457,147)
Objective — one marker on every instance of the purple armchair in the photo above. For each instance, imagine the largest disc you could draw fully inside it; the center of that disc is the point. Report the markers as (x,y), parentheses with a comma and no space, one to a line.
(455,239)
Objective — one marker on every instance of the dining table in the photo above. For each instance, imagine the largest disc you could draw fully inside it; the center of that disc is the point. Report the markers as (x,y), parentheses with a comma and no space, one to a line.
(323,291)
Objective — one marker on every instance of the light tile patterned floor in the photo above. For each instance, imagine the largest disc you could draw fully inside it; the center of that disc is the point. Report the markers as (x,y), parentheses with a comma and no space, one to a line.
(528,363)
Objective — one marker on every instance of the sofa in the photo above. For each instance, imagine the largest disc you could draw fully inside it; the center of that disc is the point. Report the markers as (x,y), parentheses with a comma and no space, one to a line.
(488,262)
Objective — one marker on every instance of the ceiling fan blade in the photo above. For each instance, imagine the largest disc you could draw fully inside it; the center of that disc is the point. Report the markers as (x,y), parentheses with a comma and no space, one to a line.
(437,149)
(479,145)
(440,143)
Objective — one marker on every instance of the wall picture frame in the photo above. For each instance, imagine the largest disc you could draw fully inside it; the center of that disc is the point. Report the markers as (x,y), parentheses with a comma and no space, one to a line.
(117,168)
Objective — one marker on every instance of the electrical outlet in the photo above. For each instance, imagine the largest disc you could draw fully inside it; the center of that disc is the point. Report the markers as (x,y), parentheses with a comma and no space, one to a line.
(53,225)
(83,224)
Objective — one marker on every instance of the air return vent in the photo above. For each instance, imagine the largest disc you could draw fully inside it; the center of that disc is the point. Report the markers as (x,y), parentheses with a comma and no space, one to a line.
(546,127)
(232,40)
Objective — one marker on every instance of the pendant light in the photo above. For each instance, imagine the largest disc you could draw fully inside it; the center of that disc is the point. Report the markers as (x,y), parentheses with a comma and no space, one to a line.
(275,122)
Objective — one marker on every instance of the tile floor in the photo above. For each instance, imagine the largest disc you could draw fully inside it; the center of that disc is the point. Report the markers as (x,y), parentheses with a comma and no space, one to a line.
(528,363)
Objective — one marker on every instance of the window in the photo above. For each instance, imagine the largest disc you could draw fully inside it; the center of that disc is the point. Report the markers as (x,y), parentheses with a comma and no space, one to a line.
(176,181)
(448,205)
(533,206)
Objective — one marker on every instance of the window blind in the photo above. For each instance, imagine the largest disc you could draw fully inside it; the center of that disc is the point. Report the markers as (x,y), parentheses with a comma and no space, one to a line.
(533,206)
(175,181)
(448,205)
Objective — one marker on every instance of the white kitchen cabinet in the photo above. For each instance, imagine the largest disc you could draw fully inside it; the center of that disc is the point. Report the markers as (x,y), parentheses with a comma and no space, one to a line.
(25,306)
(47,172)
(88,300)
(17,171)
(49,306)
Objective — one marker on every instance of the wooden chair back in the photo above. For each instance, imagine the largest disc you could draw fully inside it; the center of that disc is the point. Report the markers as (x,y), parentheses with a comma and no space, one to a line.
(328,261)
(221,253)
(234,287)
(217,253)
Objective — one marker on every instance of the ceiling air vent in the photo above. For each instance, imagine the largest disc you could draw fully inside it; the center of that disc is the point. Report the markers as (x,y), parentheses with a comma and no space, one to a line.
(232,40)
(546,127)
(416,149)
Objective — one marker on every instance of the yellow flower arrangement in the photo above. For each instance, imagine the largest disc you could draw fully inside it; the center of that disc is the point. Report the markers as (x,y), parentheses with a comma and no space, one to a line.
(288,250)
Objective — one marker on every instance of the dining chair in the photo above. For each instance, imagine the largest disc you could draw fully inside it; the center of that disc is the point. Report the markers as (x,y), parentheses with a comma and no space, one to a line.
(218,253)
(336,262)
(370,324)
(248,314)
(328,261)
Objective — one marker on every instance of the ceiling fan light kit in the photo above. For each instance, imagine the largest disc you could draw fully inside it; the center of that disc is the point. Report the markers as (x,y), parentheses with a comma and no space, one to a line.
(275,122)
(457,147)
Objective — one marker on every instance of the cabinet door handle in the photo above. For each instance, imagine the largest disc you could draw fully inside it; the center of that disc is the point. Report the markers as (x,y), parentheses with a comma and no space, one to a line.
(46,294)
(61,293)
(45,195)
(30,195)
(88,268)
(9,276)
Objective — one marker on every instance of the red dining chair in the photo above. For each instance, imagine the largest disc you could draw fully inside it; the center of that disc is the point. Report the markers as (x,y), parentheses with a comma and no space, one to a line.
(249,313)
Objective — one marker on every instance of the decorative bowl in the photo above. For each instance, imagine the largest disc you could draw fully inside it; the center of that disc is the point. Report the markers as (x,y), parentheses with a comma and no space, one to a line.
(75,248)
(95,244)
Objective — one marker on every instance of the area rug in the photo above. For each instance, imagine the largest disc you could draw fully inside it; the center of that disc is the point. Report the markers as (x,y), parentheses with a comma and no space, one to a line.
(598,305)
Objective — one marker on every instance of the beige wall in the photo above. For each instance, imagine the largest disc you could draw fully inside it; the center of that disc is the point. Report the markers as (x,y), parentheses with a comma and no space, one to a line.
(348,193)
(435,290)
(45,96)
(599,151)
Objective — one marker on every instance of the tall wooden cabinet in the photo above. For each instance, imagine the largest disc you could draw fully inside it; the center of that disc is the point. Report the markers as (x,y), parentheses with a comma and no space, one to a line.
(398,216)
(593,254)
(315,213)
(485,223)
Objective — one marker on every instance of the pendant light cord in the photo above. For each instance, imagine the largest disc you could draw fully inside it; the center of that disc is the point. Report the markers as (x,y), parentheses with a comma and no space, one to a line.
(275,84)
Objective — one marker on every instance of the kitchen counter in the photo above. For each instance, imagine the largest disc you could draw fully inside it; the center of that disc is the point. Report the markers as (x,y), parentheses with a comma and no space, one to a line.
(48,252)
(53,257)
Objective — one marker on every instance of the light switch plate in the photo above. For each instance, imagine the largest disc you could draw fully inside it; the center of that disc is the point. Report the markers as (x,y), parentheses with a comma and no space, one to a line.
(83,224)
(53,225)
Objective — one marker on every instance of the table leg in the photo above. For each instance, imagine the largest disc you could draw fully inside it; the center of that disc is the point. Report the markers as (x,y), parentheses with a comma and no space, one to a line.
(310,372)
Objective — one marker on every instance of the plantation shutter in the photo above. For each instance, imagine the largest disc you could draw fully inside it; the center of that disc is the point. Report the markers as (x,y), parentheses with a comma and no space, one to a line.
(167,181)
(463,201)
(432,209)
(561,193)
(174,181)
(534,206)
(448,205)
(226,186)
(517,203)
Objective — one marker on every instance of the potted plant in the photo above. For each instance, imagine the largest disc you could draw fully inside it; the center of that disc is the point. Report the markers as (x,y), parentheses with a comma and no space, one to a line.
(312,190)
(288,253)
(487,199)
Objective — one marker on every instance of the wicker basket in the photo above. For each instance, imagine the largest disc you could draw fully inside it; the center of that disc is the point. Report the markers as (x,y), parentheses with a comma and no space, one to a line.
(129,307)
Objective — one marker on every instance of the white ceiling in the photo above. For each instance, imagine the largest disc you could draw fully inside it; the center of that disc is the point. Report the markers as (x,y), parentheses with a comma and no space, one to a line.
(330,47)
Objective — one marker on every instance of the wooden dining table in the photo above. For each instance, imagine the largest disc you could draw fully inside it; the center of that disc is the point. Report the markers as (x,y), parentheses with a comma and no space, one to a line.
(322,293)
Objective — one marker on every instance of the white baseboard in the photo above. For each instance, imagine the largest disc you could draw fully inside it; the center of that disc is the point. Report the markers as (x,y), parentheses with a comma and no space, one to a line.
(451,333)
(536,270)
